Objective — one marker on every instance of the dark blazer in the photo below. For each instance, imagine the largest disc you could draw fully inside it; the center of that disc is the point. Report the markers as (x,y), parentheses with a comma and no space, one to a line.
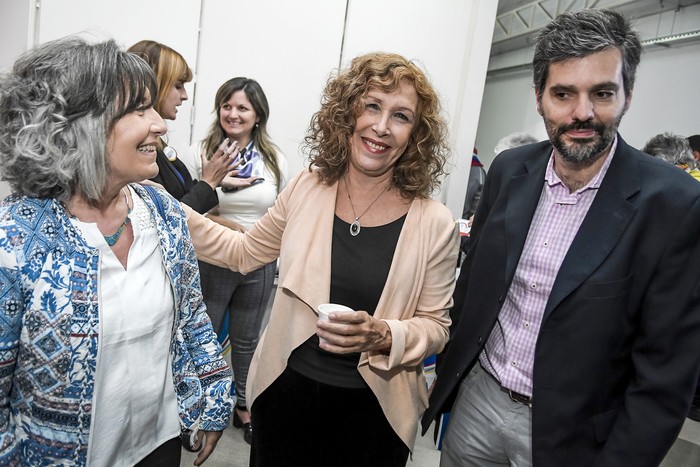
(197,195)
(618,353)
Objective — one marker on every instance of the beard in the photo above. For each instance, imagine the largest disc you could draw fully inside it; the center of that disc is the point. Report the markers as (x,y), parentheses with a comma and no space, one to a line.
(582,151)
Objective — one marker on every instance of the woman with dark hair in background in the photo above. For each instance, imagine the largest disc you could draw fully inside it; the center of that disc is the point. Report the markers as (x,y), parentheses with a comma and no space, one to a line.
(241,115)
(172,72)
(106,348)
(358,228)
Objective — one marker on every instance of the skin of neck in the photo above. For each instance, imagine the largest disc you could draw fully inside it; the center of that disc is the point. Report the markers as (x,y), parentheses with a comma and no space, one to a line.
(358,179)
(576,176)
(88,211)
(243,141)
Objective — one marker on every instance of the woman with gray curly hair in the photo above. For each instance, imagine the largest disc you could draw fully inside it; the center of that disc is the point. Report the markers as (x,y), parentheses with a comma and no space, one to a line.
(358,228)
(106,350)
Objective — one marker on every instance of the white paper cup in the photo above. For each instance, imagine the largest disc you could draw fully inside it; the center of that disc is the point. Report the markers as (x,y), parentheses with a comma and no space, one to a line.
(325,308)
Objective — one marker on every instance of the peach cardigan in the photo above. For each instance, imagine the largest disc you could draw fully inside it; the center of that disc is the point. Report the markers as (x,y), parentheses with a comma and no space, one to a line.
(415,301)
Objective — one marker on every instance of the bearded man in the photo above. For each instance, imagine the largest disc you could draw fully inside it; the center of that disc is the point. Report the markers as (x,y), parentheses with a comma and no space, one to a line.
(576,322)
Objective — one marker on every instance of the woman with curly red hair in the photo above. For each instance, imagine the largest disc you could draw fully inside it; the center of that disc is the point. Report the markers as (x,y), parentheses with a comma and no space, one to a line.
(358,228)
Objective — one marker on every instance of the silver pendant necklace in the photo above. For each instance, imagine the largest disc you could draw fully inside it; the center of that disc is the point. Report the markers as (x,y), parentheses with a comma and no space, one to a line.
(355,227)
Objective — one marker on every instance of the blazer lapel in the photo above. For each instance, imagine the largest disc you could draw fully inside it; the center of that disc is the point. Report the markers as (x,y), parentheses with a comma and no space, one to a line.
(604,224)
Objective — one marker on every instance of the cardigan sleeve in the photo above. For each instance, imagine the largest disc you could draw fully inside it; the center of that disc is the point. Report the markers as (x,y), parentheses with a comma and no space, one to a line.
(241,252)
(427,330)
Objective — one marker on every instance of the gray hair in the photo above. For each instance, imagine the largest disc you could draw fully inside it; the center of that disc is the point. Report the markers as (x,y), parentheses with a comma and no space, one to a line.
(513,140)
(582,33)
(58,105)
(671,148)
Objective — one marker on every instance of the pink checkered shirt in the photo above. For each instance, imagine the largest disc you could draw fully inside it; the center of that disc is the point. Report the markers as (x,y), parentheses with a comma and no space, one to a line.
(509,353)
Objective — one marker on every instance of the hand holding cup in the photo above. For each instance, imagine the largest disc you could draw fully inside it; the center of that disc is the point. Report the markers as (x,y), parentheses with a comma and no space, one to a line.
(342,330)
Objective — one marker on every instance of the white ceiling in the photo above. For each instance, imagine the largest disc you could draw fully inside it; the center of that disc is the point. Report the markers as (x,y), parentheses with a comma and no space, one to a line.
(517,31)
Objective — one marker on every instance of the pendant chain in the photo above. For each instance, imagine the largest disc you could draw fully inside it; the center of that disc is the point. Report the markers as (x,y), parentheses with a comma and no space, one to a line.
(355,226)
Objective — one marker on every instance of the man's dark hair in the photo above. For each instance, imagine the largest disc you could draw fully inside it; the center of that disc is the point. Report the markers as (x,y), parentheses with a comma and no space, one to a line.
(584,32)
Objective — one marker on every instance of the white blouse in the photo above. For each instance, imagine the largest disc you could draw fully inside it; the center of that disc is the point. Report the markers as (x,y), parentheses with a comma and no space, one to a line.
(248,205)
(134,403)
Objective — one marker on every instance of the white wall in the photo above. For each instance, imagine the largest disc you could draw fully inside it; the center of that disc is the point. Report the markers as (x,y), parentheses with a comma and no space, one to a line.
(172,22)
(666,95)
(16,20)
(290,53)
(508,106)
(290,48)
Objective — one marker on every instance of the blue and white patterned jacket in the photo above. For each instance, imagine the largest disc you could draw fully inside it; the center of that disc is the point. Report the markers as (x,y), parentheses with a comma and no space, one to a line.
(50,331)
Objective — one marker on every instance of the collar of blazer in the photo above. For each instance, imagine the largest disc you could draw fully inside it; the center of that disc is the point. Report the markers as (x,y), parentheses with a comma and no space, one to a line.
(602,228)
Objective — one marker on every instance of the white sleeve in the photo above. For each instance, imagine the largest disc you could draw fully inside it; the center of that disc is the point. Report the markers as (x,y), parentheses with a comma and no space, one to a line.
(190,157)
(284,171)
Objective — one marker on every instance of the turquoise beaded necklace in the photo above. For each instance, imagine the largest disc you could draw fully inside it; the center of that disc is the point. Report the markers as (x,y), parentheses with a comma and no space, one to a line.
(112,239)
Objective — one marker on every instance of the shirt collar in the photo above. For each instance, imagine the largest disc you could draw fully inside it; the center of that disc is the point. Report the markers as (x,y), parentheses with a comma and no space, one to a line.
(553,179)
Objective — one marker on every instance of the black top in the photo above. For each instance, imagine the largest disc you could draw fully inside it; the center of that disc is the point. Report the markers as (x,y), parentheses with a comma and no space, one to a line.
(359,268)
(177,181)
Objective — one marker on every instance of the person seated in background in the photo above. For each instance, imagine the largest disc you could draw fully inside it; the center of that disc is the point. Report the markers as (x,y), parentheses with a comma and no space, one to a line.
(241,115)
(675,150)
(477,176)
(694,142)
(357,228)
(107,350)
(475,183)
(172,72)
(513,140)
